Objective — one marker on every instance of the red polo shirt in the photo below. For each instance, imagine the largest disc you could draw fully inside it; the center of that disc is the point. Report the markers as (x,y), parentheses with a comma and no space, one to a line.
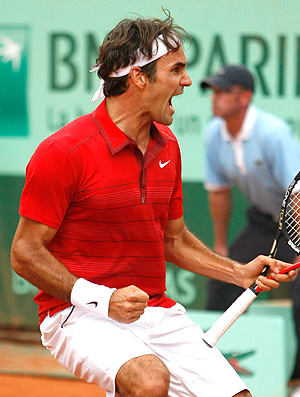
(108,202)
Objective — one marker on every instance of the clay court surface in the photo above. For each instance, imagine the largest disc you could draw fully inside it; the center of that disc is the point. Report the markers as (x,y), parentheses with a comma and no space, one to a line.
(28,370)
(34,386)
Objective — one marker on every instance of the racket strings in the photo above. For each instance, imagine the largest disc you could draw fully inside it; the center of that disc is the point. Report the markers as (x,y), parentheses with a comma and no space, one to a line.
(292,216)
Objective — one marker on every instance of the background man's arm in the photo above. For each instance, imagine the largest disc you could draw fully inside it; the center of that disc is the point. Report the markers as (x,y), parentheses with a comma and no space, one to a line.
(220,209)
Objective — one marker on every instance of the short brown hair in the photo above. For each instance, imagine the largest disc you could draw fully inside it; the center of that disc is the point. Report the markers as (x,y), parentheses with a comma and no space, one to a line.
(119,48)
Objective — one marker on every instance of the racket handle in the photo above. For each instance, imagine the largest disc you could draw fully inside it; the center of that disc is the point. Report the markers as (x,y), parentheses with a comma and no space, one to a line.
(236,309)
(283,271)
(225,321)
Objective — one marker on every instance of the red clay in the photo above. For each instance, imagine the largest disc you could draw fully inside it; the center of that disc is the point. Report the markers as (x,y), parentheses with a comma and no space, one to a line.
(28,370)
(31,386)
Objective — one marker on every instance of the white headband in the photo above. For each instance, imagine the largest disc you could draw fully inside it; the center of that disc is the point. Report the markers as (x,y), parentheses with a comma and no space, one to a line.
(159,49)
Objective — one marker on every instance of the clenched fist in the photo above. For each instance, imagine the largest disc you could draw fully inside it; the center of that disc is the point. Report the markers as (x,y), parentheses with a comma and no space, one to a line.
(127,304)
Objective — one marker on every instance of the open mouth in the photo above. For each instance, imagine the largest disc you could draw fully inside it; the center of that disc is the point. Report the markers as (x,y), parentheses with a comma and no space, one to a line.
(171,106)
(170,100)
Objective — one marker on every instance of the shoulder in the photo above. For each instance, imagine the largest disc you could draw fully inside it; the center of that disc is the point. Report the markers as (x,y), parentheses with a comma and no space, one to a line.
(274,134)
(271,123)
(72,134)
(213,130)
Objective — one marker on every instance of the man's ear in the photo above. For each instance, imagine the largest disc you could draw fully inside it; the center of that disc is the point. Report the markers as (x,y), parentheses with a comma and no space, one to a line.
(138,77)
(247,96)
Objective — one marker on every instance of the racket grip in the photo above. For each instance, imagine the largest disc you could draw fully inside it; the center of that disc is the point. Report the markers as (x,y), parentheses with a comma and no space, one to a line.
(283,271)
(225,321)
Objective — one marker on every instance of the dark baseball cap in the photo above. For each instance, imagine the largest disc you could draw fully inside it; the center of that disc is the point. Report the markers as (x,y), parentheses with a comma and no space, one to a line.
(229,76)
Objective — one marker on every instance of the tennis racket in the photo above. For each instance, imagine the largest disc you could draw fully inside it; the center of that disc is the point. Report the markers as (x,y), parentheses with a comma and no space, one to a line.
(289,228)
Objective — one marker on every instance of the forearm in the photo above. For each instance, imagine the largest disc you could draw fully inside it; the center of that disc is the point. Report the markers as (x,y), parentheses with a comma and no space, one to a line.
(184,250)
(38,266)
(187,252)
(220,209)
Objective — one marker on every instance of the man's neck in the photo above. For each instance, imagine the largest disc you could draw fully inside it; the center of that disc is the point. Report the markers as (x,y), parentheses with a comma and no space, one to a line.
(129,118)
(234,123)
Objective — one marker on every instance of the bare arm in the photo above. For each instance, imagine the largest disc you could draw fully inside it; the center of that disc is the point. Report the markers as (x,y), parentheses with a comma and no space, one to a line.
(31,260)
(184,250)
(220,208)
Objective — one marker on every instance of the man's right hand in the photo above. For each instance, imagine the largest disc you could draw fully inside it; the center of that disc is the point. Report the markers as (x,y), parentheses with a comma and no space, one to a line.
(127,304)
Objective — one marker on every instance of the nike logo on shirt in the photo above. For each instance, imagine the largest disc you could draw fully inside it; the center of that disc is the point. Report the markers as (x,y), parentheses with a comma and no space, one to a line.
(259,162)
(162,165)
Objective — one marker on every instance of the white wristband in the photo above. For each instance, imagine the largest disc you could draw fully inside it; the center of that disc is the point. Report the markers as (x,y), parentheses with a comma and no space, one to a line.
(92,297)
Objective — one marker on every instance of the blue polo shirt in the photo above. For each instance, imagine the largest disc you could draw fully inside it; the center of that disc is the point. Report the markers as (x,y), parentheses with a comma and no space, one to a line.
(261,160)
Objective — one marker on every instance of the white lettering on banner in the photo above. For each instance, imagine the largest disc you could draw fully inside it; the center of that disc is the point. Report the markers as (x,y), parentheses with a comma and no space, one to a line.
(181,286)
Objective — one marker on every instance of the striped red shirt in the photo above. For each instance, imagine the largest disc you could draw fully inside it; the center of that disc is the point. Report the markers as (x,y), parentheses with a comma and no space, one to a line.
(108,202)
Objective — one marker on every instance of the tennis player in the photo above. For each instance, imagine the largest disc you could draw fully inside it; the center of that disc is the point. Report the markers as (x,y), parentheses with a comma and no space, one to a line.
(101,212)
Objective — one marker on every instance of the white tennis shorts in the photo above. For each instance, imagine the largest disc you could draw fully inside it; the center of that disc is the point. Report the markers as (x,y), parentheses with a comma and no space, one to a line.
(94,348)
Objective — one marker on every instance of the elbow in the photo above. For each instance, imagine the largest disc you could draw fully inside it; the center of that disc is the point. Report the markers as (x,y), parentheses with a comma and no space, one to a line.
(169,248)
(17,258)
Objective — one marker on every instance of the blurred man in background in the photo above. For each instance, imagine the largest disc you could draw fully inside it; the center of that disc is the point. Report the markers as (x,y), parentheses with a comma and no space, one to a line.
(256,152)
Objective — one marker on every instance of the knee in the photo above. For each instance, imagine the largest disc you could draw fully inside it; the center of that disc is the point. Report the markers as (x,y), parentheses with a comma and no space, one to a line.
(244,393)
(145,376)
(155,385)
